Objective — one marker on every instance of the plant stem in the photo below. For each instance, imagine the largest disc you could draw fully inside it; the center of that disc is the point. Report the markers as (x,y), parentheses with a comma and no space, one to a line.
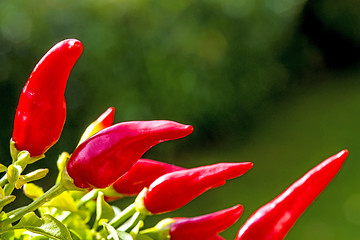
(125,214)
(132,222)
(3,180)
(87,197)
(50,194)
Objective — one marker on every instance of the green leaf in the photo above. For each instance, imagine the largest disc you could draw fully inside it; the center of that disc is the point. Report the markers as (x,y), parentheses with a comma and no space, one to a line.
(103,209)
(39,238)
(116,234)
(27,235)
(61,162)
(6,200)
(143,237)
(124,236)
(131,222)
(13,173)
(74,235)
(22,161)
(111,231)
(36,175)
(7,235)
(2,193)
(47,226)
(6,230)
(135,231)
(3,168)
(33,191)
(63,202)
(30,177)
(13,151)
(77,226)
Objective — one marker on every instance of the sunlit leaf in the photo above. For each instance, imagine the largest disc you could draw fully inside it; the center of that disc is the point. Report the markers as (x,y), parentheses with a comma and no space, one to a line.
(3,168)
(143,237)
(13,173)
(116,234)
(47,226)
(135,231)
(103,209)
(111,231)
(63,202)
(6,200)
(33,191)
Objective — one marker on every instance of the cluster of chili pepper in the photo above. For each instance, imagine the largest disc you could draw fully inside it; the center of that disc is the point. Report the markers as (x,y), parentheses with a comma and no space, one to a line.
(108,157)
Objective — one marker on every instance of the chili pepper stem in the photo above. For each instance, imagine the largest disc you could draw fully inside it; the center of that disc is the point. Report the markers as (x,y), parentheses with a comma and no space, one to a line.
(50,194)
(88,196)
(135,219)
(123,216)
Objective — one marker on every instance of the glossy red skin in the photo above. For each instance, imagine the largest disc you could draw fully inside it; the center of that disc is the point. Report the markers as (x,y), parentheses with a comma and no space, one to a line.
(173,190)
(215,237)
(107,155)
(275,219)
(141,175)
(204,227)
(41,112)
(106,119)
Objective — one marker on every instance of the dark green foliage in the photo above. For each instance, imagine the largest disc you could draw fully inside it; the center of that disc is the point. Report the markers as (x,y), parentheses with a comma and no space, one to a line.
(206,63)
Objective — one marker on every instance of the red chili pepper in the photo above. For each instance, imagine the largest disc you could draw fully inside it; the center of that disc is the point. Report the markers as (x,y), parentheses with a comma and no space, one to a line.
(174,190)
(274,220)
(105,120)
(216,237)
(41,112)
(141,175)
(206,226)
(107,155)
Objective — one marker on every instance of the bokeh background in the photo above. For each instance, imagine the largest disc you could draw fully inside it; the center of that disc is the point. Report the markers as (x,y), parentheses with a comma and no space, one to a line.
(271,82)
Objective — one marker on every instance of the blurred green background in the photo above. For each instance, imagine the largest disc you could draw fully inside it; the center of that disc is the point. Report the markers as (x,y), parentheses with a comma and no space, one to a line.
(271,82)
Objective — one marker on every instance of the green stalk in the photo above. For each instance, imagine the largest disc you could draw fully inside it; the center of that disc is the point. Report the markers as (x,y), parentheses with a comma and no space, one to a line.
(87,197)
(123,216)
(56,190)
(3,180)
(132,222)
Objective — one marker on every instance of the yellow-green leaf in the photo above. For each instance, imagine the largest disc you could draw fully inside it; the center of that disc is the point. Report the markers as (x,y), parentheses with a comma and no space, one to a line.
(13,173)
(33,191)
(47,226)
(3,168)
(103,209)
(63,202)
(2,193)
(6,200)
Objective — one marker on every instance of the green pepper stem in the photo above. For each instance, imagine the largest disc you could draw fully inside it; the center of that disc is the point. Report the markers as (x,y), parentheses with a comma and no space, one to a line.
(87,197)
(56,190)
(123,216)
(134,220)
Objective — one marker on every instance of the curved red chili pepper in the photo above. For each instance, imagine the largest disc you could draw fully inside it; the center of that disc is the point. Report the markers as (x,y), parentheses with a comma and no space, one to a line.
(41,112)
(206,226)
(105,120)
(141,175)
(274,220)
(107,155)
(174,190)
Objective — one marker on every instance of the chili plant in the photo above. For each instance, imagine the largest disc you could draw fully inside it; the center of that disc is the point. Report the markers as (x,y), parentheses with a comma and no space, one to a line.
(107,165)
